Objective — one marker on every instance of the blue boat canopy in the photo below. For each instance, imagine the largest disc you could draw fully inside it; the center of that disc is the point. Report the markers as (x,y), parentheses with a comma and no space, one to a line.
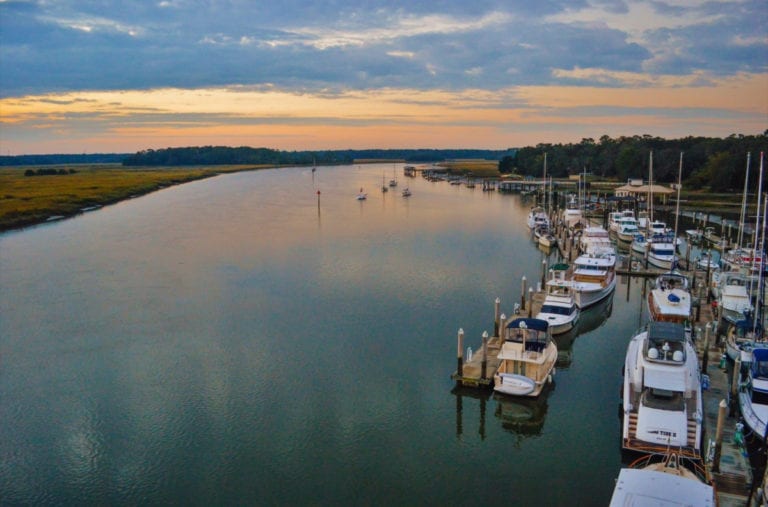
(524,323)
(673,298)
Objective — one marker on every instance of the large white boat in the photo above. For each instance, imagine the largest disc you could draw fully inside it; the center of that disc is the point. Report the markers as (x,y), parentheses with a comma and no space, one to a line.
(594,240)
(593,278)
(627,229)
(753,392)
(661,251)
(639,244)
(662,405)
(666,482)
(559,307)
(670,299)
(528,355)
(733,296)
(616,217)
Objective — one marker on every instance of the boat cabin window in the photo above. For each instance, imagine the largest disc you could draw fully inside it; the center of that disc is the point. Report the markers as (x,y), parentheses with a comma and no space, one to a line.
(557,310)
(759,398)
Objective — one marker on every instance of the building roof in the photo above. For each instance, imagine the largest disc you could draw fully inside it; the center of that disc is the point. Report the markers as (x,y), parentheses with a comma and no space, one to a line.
(644,189)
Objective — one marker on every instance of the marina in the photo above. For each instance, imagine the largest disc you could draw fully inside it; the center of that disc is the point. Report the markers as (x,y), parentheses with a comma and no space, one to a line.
(207,363)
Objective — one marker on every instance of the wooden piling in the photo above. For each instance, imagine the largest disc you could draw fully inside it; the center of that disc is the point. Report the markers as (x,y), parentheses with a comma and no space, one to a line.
(496,310)
(719,435)
(484,363)
(460,354)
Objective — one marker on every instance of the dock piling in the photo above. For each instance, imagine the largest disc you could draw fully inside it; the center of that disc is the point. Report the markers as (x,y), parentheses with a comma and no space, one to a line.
(719,435)
(484,363)
(522,296)
(496,310)
(460,354)
(530,302)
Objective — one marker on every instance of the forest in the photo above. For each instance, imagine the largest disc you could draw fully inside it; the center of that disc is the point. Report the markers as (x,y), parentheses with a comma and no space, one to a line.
(714,164)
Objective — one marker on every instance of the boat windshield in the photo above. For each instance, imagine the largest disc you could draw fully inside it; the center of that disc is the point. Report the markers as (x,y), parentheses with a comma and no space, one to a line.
(557,310)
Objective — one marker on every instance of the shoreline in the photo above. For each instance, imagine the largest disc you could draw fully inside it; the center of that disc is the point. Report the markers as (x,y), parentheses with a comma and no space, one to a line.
(28,201)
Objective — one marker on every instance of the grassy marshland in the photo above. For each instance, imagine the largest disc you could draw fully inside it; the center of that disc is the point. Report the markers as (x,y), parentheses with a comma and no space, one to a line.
(26,200)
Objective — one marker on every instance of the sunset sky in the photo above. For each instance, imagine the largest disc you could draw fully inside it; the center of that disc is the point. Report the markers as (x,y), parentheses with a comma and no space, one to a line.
(123,76)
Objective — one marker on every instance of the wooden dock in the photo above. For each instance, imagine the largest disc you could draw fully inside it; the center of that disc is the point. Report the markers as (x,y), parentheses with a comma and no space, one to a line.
(478,370)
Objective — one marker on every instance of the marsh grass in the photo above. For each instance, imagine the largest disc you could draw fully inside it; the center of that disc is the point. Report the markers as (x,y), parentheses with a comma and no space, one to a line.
(26,200)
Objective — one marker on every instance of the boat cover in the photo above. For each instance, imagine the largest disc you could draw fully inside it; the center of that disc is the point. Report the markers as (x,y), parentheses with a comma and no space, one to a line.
(663,377)
(535,324)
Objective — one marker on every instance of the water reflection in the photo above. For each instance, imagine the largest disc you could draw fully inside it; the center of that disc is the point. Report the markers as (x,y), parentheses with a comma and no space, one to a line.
(523,416)
(482,395)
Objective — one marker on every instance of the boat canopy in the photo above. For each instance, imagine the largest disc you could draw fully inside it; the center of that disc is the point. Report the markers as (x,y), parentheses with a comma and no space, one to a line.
(559,266)
(524,323)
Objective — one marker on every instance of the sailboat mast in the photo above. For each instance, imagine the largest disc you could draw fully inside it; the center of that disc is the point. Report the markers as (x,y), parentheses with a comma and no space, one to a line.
(650,188)
(742,218)
(759,194)
(677,206)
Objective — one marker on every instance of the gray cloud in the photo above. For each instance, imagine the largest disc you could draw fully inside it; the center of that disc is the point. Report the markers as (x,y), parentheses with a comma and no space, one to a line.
(48,46)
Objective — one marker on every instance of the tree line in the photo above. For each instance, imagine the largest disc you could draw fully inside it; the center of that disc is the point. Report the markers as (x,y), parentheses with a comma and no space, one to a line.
(212,155)
(713,163)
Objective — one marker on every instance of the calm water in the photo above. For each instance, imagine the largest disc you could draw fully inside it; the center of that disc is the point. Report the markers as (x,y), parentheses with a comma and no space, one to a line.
(225,341)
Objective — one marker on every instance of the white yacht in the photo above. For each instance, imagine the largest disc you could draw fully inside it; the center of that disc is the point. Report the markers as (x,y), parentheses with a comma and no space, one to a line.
(595,239)
(753,392)
(537,217)
(559,307)
(667,482)
(593,278)
(617,216)
(661,251)
(733,296)
(639,244)
(627,229)
(528,355)
(662,405)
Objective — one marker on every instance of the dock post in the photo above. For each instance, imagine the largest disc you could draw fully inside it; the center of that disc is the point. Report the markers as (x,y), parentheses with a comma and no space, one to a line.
(484,363)
(502,325)
(522,295)
(496,309)
(530,302)
(719,436)
(460,354)
(735,385)
(543,273)
(709,256)
(705,356)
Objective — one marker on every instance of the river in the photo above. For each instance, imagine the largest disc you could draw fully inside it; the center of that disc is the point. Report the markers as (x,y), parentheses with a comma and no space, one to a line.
(244,340)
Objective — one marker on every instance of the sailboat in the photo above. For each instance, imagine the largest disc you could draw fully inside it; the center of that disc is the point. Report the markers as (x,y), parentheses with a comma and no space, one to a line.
(361,196)
(384,187)
(661,245)
(393,181)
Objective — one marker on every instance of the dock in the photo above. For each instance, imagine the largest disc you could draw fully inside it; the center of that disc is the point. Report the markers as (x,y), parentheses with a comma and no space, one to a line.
(725,456)
(478,370)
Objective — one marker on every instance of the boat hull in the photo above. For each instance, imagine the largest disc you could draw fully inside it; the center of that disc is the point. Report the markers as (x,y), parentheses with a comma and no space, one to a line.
(516,385)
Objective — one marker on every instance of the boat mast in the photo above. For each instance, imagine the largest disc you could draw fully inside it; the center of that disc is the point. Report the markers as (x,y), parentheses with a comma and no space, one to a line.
(650,190)
(759,194)
(742,218)
(758,314)
(677,206)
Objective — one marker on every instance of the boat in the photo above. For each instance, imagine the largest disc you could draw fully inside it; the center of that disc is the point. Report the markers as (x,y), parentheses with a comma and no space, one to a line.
(547,239)
(753,390)
(537,217)
(639,244)
(667,482)
(559,307)
(694,235)
(733,296)
(661,251)
(595,239)
(406,192)
(593,278)
(627,229)
(706,261)
(361,196)
(384,187)
(662,405)
(743,336)
(528,355)
(615,218)
(670,300)
(572,213)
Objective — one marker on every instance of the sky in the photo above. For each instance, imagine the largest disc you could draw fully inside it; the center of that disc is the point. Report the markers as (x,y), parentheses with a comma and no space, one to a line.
(107,76)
